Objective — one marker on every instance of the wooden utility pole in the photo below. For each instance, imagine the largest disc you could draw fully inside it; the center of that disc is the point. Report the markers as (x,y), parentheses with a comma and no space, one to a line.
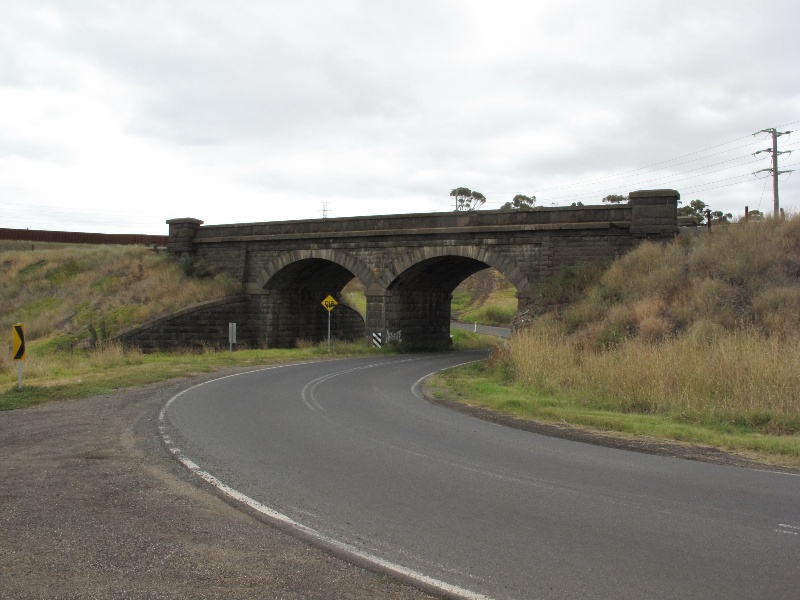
(774,170)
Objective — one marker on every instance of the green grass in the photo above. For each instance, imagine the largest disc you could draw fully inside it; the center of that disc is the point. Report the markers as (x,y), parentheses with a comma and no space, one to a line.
(460,301)
(467,340)
(498,310)
(494,315)
(480,385)
(76,375)
(357,301)
(62,375)
(59,290)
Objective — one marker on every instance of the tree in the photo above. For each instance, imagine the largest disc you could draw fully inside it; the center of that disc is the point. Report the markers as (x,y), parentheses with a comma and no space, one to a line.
(717,216)
(698,210)
(467,199)
(615,199)
(520,202)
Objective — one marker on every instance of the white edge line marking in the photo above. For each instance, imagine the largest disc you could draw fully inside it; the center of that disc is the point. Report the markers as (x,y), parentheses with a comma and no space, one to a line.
(225,489)
(415,388)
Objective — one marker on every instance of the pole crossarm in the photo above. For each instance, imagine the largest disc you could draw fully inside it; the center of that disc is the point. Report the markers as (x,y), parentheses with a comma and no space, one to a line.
(774,170)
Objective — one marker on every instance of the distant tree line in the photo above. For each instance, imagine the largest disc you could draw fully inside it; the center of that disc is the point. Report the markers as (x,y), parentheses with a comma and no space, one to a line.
(467,199)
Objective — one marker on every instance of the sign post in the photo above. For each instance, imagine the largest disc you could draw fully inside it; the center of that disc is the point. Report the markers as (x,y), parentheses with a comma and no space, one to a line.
(18,350)
(329,303)
(231,335)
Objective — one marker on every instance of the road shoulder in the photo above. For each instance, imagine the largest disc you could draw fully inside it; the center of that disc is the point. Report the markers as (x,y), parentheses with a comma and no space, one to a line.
(615,440)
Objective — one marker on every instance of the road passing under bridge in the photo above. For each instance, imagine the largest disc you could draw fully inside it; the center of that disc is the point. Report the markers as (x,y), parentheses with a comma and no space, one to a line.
(348,452)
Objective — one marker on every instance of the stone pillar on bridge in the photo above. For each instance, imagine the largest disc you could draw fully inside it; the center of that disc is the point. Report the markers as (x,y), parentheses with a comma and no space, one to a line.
(655,213)
(181,235)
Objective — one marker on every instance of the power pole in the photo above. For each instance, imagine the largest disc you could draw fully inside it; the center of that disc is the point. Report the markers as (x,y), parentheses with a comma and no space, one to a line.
(774,170)
(324,210)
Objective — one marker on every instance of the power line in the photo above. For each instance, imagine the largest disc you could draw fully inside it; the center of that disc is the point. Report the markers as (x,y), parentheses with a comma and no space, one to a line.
(648,167)
(625,174)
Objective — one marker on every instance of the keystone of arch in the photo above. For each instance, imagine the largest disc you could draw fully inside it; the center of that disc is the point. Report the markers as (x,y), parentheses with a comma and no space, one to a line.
(505,265)
(351,263)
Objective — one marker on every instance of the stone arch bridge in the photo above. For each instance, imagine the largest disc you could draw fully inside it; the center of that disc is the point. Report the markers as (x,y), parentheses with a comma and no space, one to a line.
(409,265)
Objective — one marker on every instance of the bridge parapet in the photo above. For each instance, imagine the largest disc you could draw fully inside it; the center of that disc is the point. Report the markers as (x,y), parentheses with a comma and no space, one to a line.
(409,224)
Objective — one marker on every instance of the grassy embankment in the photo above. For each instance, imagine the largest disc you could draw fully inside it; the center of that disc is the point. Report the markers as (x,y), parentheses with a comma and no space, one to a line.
(71,298)
(486,298)
(697,340)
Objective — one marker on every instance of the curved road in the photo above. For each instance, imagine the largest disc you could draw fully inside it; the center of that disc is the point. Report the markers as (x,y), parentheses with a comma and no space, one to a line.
(503,332)
(348,451)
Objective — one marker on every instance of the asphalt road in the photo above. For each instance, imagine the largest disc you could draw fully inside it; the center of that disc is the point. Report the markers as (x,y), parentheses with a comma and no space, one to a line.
(503,332)
(349,452)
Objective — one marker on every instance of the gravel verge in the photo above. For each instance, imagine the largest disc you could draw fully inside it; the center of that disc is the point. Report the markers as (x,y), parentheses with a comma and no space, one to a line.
(93,506)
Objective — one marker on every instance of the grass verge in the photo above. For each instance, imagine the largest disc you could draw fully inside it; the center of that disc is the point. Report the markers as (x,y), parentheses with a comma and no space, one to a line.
(63,376)
(484,386)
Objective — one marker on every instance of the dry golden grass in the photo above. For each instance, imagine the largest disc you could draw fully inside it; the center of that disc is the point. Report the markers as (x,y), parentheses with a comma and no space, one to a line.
(741,275)
(58,292)
(737,378)
(706,328)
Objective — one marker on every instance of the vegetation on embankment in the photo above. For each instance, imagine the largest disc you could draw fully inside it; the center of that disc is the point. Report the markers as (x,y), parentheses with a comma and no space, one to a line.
(73,295)
(696,340)
(486,298)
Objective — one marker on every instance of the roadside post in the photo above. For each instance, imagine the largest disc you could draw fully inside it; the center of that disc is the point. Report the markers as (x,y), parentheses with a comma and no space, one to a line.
(231,335)
(18,350)
(329,303)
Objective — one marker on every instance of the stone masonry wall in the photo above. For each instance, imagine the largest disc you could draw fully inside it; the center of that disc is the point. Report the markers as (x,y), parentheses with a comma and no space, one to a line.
(202,326)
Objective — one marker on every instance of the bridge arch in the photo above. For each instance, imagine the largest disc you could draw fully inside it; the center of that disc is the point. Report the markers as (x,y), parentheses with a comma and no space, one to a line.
(348,262)
(292,287)
(507,267)
(420,292)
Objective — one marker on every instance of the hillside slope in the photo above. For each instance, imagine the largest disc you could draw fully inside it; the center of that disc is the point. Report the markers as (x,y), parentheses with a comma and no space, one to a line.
(743,276)
(705,329)
(71,295)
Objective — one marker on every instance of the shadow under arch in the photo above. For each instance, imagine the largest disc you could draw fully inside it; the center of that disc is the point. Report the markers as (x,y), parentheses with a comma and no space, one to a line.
(292,289)
(507,267)
(420,292)
(348,262)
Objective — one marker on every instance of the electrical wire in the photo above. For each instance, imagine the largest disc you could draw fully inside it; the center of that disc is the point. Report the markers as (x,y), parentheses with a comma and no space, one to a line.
(648,167)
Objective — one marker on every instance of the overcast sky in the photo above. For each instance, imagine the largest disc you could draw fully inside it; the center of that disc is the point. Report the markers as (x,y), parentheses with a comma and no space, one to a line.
(116,116)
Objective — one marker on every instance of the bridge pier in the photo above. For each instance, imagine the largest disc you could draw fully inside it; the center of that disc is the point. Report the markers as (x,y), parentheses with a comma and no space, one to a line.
(375,322)
(419,320)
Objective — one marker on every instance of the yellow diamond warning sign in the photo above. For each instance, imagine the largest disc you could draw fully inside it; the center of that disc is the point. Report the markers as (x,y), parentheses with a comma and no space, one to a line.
(18,348)
(329,303)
